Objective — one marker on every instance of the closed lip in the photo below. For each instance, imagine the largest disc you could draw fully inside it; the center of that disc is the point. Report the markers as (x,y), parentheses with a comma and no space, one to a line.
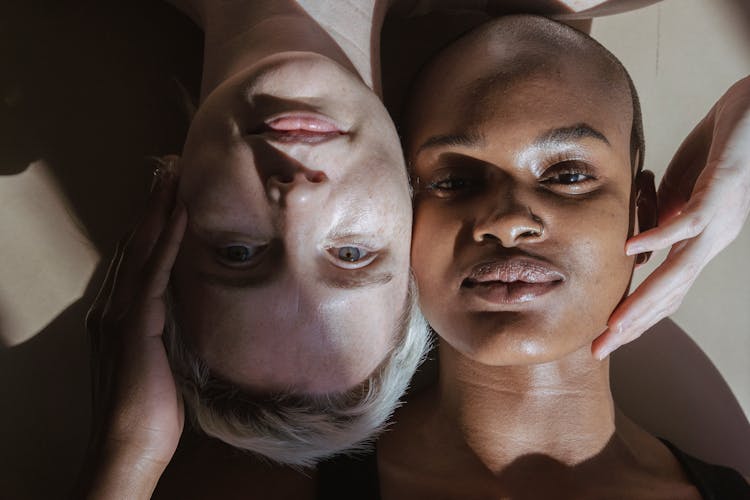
(509,281)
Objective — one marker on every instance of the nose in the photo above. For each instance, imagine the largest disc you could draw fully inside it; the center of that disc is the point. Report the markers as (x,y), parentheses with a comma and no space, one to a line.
(296,188)
(510,227)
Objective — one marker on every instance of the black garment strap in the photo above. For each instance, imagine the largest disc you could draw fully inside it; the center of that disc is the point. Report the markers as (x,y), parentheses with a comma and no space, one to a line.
(714,482)
(349,477)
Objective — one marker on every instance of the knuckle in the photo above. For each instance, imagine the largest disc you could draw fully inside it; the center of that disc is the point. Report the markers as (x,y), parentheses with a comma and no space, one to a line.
(695,224)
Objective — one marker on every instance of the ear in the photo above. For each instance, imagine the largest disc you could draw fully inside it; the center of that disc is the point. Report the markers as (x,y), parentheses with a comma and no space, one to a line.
(163,166)
(645,206)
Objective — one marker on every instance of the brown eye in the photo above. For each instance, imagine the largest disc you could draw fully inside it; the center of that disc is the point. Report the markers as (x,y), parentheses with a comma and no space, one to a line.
(571,178)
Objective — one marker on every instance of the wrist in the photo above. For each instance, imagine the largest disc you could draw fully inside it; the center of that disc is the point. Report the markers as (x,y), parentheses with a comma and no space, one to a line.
(119,471)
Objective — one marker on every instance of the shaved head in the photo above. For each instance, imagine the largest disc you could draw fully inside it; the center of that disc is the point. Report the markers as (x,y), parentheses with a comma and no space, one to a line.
(513,50)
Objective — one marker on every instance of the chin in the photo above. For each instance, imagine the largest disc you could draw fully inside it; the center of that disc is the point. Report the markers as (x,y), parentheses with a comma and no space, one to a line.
(512,347)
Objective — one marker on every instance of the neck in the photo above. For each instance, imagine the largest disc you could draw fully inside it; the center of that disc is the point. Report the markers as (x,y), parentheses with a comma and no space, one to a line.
(561,409)
(239,33)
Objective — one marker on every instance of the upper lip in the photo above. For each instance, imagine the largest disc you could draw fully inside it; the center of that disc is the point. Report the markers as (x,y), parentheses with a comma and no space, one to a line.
(510,270)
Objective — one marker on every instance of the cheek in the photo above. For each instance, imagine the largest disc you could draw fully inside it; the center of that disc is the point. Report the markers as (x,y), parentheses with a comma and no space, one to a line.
(432,256)
(603,269)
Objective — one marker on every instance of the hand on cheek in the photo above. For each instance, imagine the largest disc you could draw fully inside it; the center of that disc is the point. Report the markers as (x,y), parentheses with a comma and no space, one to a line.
(138,414)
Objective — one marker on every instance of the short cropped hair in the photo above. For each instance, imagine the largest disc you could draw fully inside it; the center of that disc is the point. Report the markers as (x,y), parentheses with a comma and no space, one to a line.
(551,33)
(300,429)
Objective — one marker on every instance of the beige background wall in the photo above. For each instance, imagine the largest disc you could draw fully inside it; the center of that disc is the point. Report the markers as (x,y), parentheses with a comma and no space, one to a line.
(682,55)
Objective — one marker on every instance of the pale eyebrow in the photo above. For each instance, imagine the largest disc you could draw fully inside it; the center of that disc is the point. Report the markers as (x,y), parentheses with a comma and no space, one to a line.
(470,139)
(236,282)
(565,135)
(357,280)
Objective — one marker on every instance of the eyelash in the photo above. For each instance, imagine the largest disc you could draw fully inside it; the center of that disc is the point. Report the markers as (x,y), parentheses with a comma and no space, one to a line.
(343,238)
(369,256)
(436,185)
(567,167)
(254,250)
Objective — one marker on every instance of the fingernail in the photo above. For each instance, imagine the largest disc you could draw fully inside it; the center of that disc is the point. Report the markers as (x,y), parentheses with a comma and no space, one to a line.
(634,249)
(603,353)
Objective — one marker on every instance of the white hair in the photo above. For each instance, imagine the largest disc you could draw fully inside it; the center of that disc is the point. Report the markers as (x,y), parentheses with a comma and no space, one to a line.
(301,429)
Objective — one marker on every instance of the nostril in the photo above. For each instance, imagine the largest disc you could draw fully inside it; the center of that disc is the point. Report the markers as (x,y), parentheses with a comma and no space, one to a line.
(316,176)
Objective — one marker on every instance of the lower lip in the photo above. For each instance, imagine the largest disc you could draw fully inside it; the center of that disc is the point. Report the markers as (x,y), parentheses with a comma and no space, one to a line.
(517,292)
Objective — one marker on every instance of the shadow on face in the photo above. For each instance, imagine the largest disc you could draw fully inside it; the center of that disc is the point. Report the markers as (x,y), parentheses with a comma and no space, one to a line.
(294,269)
(524,190)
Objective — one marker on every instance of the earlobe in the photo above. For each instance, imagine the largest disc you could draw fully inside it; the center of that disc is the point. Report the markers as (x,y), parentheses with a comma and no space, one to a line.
(645,206)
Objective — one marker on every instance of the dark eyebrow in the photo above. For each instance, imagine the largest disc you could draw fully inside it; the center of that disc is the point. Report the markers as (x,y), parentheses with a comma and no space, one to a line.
(572,133)
(470,139)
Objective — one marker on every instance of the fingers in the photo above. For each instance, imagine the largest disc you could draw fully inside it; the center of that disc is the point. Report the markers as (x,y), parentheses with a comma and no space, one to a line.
(129,274)
(693,217)
(160,264)
(147,317)
(96,311)
(689,224)
(682,172)
(656,298)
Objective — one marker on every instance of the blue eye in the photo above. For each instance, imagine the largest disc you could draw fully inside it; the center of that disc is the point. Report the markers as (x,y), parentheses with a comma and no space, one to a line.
(239,254)
(351,254)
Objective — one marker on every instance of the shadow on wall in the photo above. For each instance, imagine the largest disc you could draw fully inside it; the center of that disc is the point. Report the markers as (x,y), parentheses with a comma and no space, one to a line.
(91,91)
(666,383)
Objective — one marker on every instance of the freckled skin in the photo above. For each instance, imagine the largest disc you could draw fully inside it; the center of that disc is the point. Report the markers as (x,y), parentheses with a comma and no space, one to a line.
(292,331)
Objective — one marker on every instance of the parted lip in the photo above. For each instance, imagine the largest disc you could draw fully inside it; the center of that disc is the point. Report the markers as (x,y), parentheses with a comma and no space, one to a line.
(299,127)
(512,270)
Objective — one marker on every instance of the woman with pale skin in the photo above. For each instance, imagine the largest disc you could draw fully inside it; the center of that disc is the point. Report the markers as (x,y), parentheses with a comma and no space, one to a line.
(292,148)
(520,216)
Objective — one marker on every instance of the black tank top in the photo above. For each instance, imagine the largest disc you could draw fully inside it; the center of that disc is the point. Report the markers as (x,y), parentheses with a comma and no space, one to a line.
(714,482)
(357,477)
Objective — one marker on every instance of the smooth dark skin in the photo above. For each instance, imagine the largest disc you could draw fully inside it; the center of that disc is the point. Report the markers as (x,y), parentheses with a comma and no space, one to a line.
(522,410)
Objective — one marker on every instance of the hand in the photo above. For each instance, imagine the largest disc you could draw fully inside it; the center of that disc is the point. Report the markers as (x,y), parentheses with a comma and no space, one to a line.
(138,412)
(704,199)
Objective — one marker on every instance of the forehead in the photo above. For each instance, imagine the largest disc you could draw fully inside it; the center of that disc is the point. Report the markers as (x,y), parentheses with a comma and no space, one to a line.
(484,78)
